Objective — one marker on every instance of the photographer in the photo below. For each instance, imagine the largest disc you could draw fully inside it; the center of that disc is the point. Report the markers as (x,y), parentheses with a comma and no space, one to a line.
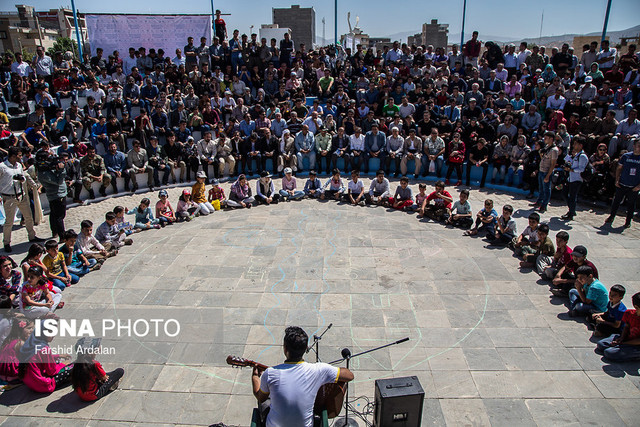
(12,176)
(52,174)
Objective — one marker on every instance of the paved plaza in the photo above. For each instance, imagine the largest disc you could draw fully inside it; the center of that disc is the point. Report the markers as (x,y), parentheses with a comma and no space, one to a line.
(488,342)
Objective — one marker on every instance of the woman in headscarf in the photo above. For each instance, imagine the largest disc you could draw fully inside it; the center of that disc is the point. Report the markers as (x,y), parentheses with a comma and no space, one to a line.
(557,118)
(596,74)
(548,74)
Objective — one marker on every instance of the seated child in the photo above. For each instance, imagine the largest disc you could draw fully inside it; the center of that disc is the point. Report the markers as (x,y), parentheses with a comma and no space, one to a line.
(76,262)
(610,321)
(144,217)
(32,258)
(334,187)
(313,186)
(37,300)
(485,220)
(40,369)
(197,191)
(164,210)
(266,190)
(355,190)
(89,245)
(565,278)
(121,223)
(626,346)
(290,187)
(403,198)
(543,255)
(421,200)
(240,194)
(57,271)
(109,232)
(560,258)
(505,228)
(588,295)
(21,328)
(463,216)
(527,242)
(441,207)
(186,209)
(217,193)
(88,378)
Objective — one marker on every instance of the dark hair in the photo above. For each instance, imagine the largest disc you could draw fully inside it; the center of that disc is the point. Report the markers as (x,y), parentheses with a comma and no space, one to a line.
(543,228)
(335,171)
(109,216)
(70,234)
(619,289)
(535,216)
(635,299)
(295,342)
(379,172)
(84,370)
(508,208)
(404,179)
(439,184)
(144,201)
(35,249)
(563,235)
(86,224)
(13,151)
(465,192)
(50,244)
(36,270)
(584,270)
(118,209)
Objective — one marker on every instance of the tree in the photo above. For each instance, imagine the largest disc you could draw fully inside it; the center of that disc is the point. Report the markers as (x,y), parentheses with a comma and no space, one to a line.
(64,44)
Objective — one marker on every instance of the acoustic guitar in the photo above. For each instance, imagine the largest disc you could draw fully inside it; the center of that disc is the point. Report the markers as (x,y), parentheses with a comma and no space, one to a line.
(329,397)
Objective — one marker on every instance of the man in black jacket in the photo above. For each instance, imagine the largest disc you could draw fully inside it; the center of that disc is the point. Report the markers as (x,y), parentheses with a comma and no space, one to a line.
(269,150)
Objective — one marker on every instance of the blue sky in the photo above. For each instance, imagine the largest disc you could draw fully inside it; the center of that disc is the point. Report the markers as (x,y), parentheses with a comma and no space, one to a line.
(493,17)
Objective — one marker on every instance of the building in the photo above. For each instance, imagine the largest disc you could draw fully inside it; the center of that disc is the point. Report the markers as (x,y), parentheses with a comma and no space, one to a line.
(301,20)
(26,29)
(354,38)
(434,34)
(273,31)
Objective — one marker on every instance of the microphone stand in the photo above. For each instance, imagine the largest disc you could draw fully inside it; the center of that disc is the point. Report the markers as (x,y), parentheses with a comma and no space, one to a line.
(347,356)
(316,342)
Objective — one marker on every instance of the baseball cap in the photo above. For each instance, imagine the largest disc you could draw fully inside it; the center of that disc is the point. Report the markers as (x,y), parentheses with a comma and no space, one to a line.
(588,79)
(64,139)
(540,80)
(186,192)
(189,138)
(215,181)
(579,251)
(163,193)
(287,170)
(265,174)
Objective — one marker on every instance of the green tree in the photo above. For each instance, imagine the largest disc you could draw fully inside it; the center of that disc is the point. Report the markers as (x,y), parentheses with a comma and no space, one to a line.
(64,44)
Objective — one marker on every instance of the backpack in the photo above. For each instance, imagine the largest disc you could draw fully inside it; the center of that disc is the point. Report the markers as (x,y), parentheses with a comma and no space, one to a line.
(588,173)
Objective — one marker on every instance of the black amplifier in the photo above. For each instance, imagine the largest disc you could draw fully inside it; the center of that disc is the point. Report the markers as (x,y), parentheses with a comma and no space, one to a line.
(398,402)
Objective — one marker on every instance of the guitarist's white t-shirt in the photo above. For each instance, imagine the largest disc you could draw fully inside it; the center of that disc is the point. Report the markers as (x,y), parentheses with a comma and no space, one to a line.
(292,388)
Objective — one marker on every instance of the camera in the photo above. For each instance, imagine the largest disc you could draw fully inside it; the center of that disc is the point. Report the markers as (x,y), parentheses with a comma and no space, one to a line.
(46,162)
(19,178)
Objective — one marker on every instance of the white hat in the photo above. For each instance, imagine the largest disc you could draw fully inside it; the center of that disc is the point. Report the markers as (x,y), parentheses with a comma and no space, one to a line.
(201,174)
(287,170)
(588,79)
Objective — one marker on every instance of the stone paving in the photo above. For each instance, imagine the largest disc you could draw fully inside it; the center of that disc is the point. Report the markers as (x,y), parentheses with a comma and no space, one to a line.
(487,341)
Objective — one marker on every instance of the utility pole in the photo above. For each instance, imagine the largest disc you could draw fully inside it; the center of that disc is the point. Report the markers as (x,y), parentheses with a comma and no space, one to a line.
(464,12)
(75,23)
(323,33)
(335,20)
(606,21)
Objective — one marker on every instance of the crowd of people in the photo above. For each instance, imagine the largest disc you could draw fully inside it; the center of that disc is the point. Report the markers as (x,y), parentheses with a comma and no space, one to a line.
(536,121)
(539,119)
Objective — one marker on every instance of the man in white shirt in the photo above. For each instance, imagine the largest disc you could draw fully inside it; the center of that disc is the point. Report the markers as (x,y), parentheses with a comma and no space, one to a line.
(289,390)
(130,62)
(358,152)
(12,177)
(606,57)
(20,67)
(557,101)
(523,54)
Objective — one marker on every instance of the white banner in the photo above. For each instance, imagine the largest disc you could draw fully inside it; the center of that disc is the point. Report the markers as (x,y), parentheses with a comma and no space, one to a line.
(168,32)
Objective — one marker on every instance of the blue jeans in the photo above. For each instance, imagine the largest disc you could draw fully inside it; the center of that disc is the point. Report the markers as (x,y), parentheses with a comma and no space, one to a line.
(79,269)
(297,195)
(544,190)
(61,285)
(576,304)
(424,170)
(571,193)
(619,353)
(511,173)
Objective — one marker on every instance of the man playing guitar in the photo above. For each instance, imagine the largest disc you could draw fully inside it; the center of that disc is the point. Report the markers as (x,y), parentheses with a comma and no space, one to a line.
(290,389)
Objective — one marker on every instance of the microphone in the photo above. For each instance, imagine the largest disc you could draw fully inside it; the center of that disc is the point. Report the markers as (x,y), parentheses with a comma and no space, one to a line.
(346,353)
(402,340)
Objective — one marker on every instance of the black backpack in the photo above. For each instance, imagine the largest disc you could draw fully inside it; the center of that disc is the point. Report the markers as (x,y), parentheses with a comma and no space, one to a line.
(588,173)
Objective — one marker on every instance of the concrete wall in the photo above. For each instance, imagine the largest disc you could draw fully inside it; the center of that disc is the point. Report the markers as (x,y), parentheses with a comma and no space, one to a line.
(302,22)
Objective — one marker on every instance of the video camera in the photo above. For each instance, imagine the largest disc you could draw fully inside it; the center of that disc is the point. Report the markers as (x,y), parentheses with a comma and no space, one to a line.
(46,161)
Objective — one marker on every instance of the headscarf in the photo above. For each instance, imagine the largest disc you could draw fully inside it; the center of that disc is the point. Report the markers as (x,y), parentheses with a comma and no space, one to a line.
(283,139)
(548,74)
(597,74)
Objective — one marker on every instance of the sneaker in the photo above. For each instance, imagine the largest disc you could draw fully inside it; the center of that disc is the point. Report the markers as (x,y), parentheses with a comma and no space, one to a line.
(567,217)
(249,205)
(157,226)
(536,205)
(96,267)
(361,203)
(7,248)
(542,210)
(36,239)
(627,224)
(128,242)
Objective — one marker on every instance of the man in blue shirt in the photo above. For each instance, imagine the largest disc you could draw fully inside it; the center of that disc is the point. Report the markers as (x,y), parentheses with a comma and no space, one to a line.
(116,164)
(148,95)
(627,183)
(375,143)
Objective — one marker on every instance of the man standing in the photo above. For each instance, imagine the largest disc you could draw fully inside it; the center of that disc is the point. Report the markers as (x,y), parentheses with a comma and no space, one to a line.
(471,50)
(11,178)
(191,55)
(220,27)
(52,178)
(575,163)
(548,160)
(43,65)
(627,183)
